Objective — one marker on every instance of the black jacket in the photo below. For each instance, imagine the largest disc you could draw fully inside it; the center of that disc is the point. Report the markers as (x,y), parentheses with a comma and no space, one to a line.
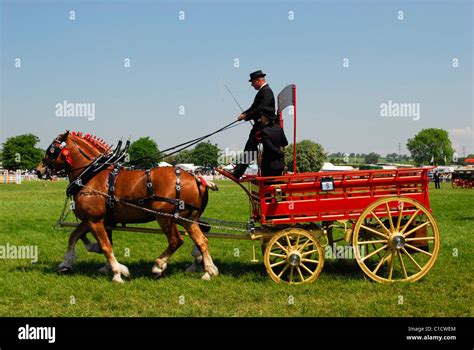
(273,158)
(264,98)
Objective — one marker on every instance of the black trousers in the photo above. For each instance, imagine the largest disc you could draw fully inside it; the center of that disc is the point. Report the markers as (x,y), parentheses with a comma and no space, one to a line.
(267,171)
(251,148)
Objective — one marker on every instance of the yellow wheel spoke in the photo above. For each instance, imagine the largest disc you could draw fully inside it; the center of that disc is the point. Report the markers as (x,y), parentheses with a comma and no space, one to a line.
(282,248)
(299,272)
(420,239)
(278,255)
(390,271)
(378,254)
(311,261)
(389,217)
(297,241)
(380,223)
(370,229)
(278,263)
(399,219)
(372,242)
(380,263)
(283,271)
(411,258)
(374,252)
(418,249)
(416,228)
(309,252)
(409,221)
(300,249)
(385,259)
(306,268)
(291,273)
(402,264)
(288,241)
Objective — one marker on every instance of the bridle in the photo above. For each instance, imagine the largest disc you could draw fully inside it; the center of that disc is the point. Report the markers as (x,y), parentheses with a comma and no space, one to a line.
(53,151)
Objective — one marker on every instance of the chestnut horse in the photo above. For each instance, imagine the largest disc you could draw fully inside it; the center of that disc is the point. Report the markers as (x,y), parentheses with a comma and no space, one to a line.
(73,152)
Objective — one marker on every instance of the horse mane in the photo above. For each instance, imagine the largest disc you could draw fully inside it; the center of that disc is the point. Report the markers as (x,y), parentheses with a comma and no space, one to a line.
(92,140)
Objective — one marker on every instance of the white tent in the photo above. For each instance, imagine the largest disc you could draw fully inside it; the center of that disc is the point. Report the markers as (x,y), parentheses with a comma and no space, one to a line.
(164,164)
(186,166)
(332,167)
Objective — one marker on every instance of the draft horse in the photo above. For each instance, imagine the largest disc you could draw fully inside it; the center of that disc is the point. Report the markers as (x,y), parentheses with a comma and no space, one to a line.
(154,189)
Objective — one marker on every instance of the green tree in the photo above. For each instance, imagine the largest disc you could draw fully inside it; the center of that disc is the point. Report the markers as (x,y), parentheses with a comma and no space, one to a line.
(205,154)
(19,152)
(310,156)
(431,145)
(392,157)
(144,152)
(183,157)
(371,158)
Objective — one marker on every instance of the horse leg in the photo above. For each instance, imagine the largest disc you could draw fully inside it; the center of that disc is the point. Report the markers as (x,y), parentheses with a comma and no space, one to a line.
(175,240)
(95,248)
(201,242)
(66,265)
(118,269)
(91,247)
(197,263)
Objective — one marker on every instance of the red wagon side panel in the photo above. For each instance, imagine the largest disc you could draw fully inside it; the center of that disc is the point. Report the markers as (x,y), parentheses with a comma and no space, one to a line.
(303,200)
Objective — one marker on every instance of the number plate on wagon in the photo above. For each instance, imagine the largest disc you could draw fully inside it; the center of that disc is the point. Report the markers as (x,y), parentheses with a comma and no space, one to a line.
(327,184)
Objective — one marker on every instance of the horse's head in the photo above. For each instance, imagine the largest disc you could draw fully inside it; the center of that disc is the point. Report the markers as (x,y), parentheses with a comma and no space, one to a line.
(56,159)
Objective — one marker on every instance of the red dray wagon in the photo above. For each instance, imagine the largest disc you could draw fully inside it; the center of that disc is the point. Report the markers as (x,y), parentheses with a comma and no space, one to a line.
(384,214)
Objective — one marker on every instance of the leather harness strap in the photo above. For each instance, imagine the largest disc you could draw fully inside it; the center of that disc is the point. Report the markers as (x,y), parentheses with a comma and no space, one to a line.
(178,192)
(149,184)
(179,204)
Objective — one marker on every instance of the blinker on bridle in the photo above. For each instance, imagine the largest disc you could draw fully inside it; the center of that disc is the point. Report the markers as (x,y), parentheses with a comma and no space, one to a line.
(57,147)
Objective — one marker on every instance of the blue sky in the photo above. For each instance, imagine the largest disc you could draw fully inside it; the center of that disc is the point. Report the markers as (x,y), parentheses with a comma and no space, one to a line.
(188,62)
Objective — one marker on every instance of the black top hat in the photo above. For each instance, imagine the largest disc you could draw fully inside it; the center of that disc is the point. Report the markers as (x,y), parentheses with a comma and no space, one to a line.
(269,113)
(256,74)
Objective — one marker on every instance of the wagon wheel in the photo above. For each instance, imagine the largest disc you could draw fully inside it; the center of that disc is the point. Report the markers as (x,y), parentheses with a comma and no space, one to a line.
(403,238)
(294,256)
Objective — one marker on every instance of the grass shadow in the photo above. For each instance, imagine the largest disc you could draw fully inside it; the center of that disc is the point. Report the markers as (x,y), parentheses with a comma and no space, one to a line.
(142,269)
(343,268)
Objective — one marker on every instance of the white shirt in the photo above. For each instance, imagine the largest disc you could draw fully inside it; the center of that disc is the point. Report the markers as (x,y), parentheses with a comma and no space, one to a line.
(262,86)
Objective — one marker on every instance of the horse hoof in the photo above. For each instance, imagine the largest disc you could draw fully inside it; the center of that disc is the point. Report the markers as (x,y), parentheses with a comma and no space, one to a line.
(157,272)
(63,270)
(124,271)
(206,277)
(117,279)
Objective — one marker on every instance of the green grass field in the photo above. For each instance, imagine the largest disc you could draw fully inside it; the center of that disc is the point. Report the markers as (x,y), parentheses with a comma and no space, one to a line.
(28,212)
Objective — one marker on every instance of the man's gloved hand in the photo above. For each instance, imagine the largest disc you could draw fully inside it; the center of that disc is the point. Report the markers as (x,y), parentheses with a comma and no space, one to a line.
(241,117)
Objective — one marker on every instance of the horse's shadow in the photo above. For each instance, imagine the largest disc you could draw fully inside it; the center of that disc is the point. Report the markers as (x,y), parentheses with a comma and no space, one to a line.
(142,268)
(253,271)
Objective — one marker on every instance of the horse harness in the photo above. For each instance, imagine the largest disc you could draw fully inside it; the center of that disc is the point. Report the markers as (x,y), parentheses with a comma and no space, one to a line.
(150,196)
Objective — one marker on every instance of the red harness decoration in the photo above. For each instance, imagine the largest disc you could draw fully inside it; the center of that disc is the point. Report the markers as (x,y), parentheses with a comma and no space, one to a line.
(67,155)
(203,180)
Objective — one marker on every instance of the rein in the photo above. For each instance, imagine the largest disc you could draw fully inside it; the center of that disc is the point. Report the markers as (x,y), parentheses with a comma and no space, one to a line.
(189,143)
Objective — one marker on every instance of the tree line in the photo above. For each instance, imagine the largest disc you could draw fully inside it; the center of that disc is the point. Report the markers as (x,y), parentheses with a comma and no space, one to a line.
(429,146)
